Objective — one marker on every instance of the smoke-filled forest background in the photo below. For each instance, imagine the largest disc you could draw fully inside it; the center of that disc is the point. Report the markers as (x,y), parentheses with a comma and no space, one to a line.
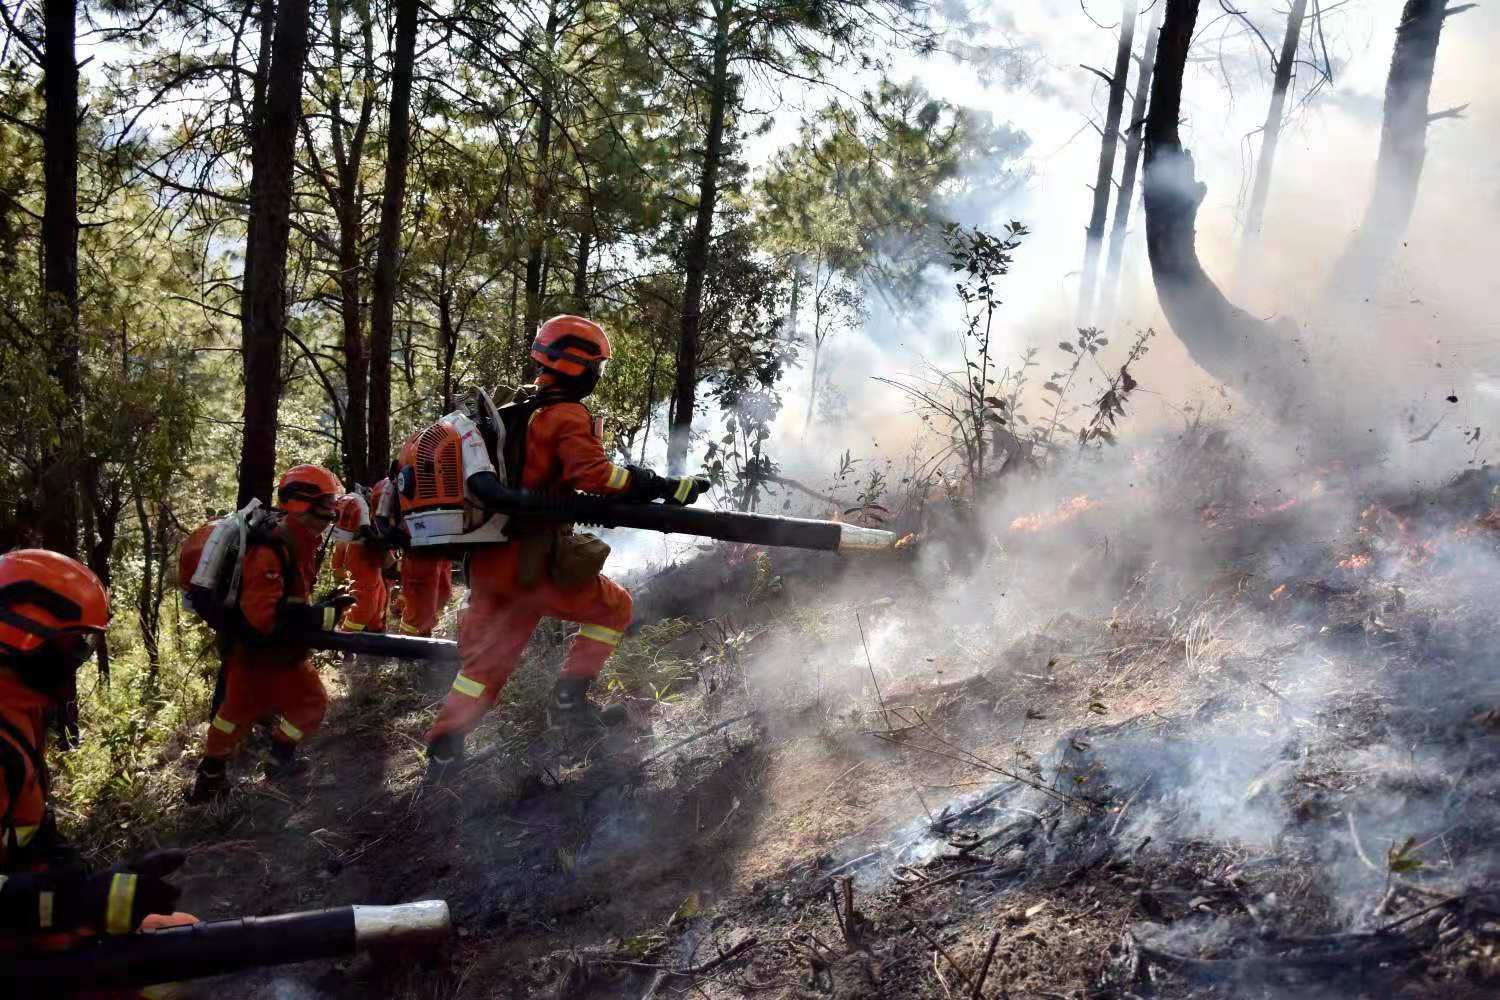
(855,255)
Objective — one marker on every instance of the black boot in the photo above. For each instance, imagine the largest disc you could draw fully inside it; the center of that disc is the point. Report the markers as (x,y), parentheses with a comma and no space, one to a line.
(444,756)
(570,708)
(212,782)
(284,763)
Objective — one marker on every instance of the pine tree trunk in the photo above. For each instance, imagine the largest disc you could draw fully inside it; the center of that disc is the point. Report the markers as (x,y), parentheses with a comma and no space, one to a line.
(1137,131)
(581,273)
(388,243)
(1403,148)
(1104,180)
(263,304)
(684,397)
(449,338)
(58,506)
(1234,347)
(356,357)
(541,201)
(349,157)
(1270,134)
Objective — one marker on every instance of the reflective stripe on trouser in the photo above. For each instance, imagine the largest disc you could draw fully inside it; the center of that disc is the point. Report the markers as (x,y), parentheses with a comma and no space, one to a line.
(426,586)
(117,912)
(497,622)
(254,690)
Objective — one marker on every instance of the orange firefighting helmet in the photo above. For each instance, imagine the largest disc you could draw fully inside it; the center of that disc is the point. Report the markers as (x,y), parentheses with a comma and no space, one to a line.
(47,597)
(353,513)
(304,487)
(570,345)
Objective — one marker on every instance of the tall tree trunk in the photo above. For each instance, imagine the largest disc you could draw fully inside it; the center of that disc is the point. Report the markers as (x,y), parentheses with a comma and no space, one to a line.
(541,194)
(147,610)
(1269,135)
(1110,289)
(263,304)
(1403,146)
(684,396)
(383,303)
(448,346)
(1104,180)
(1224,340)
(581,272)
(348,149)
(58,486)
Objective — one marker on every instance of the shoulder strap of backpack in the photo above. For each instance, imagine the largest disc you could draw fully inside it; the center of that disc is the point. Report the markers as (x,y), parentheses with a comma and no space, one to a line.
(522,411)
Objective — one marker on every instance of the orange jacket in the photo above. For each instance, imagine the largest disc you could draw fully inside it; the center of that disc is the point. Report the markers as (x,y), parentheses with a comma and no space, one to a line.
(23,786)
(265,586)
(563,450)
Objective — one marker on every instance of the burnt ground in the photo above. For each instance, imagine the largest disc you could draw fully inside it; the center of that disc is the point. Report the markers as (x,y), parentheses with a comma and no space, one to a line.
(1262,785)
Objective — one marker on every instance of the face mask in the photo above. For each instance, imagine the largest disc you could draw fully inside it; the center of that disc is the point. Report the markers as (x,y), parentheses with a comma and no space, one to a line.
(50,668)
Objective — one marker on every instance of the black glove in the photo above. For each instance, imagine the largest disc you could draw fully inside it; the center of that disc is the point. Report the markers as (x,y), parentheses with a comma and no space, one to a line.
(644,485)
(685,490)
(114,902)
(322,616)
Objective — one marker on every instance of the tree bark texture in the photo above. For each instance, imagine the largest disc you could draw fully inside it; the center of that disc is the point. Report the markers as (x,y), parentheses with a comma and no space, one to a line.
(349,157)
(1269,136)
(263,303)
(388,244)
(1403,148)
(1104,180)
(581,273)
(684,396)
(1234,347)
(541,202)
(58,507)
(1136,130)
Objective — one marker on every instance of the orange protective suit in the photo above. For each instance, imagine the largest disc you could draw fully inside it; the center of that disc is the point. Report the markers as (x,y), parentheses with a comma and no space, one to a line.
(426,588)
(364,565)
(562,450)
(23,812)
(264,675)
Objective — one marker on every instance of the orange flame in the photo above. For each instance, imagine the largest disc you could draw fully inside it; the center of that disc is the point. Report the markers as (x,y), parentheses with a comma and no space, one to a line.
(1065,512)
(1276,594)
(1357,561)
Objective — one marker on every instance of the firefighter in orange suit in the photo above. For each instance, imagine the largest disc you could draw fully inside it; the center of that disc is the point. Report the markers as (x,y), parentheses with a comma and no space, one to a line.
(561,449)
(426,579)
(52,611)
(359,555)
(426,588)
(266,669)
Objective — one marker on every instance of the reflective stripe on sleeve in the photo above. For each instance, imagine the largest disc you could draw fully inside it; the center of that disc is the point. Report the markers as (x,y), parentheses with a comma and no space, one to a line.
(292,732)
(24,834)
(353,627)
(224,726)
(618,477)
(684,487)
(599,633)
(410,630)
(468,686)
(330,618)
(44,904)
(121,903)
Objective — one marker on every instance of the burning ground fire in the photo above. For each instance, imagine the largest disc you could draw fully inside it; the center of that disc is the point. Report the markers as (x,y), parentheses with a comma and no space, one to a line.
(1065,511)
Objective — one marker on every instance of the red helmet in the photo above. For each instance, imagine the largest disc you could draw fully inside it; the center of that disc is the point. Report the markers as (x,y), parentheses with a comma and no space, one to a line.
(304,487)
(47,597)
(570,345)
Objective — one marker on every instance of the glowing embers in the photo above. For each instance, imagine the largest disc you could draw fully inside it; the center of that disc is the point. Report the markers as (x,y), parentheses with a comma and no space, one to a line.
(1065,511)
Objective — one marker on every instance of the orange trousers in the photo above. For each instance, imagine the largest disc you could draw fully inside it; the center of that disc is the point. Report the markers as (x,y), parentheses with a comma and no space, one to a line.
(497,621)
(364,565)
(255,685)
(426,586)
